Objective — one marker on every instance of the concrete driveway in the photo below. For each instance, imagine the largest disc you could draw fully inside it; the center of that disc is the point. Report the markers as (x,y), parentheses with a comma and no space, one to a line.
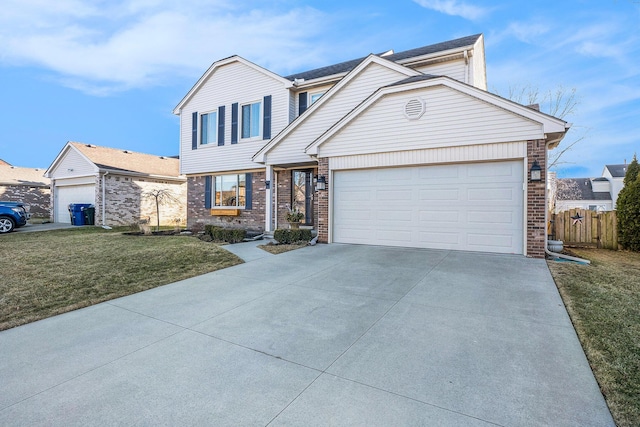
(326,335)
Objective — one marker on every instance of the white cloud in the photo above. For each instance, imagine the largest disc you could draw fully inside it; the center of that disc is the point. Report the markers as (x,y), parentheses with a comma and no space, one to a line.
(454,8)
(108,46)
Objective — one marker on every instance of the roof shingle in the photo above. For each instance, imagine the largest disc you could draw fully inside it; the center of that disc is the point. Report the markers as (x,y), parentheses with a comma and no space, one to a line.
(129,161)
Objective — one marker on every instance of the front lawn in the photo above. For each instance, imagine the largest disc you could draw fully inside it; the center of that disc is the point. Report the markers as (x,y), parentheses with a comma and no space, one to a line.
(52,272)
(603,300)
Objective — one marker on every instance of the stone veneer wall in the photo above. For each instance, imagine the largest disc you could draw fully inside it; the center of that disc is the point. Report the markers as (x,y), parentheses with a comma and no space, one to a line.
(128,204)
(37,197)
(198,216)
(536,201)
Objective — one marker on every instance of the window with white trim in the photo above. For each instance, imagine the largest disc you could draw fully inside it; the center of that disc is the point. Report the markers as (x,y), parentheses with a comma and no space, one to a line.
(314,97)
(251,119)
(229,191)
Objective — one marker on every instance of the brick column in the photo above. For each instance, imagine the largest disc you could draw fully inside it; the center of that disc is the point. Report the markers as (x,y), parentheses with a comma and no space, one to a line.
(536,201)
(323,203)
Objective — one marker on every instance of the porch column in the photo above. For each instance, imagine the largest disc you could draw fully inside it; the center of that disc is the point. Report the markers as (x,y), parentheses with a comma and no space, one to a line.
(268,208)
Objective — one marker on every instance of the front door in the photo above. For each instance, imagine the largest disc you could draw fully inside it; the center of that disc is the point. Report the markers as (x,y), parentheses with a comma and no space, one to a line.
(303,194)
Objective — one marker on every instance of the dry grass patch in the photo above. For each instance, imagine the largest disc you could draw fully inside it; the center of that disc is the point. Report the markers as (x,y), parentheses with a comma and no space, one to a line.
(280,248)
(52,272)
(603,300)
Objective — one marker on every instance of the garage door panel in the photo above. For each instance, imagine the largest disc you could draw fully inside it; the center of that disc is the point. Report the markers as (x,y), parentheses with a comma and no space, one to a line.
(490,218)
(491,194)
(466,207)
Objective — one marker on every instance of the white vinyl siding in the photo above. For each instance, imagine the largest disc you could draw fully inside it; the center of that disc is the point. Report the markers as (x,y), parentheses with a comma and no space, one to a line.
(465,153)
(73,164)
(451,118)
(291,149)
(229,84)
(454,69)
(473,206)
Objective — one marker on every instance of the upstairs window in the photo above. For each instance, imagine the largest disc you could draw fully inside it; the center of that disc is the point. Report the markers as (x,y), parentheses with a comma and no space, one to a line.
(314,97)
(251,120)
(230,191)
(208,128)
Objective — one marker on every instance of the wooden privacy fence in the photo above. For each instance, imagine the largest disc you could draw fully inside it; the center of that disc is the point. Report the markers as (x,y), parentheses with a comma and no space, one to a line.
(596,229)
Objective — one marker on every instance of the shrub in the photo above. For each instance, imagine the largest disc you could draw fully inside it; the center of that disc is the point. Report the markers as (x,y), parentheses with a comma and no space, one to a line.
(628,208)
(286,237)
(230,235)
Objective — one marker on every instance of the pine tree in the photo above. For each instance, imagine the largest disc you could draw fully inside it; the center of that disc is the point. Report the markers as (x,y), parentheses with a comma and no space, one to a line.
(628,208)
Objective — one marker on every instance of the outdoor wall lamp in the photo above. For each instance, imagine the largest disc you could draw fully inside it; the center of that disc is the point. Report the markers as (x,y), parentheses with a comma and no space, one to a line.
(535,173)
(321,184)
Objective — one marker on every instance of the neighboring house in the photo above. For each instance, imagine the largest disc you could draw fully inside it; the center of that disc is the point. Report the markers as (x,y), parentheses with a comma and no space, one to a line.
(84,173)
(583,193)
(410,148)
(615,175)
(27,185)
(596,194)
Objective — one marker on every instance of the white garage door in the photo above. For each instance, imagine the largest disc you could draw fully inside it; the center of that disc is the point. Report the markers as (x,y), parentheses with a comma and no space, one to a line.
(474,207)
(72,194)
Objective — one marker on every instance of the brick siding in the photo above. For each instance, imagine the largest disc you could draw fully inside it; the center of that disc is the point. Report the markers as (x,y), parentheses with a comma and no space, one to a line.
(322,198)
(38,198)
(198,216)
(536,202)
(128,201)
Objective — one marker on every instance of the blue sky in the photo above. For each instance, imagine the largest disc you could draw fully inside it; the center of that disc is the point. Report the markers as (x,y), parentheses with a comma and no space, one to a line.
(109,72)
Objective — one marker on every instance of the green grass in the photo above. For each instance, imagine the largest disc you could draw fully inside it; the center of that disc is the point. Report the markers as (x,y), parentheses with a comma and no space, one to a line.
(603,300)
(52,272)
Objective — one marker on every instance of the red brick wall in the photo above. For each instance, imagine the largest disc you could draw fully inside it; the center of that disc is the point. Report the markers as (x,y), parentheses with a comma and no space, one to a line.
(536,202)
(198,216)
(322,199)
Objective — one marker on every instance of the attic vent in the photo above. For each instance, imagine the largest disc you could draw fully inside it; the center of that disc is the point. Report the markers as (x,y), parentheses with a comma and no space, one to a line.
(125,151)
(414,109)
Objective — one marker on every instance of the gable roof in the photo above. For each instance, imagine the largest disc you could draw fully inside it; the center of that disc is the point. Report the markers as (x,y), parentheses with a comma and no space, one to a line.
(13,175)
(122,161)
(554,128)
(345,67)
(583,190)
(617,171)
(221,63)
(259,156)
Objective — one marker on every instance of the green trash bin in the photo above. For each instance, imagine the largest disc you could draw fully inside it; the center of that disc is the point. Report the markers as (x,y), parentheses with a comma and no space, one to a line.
(89,215)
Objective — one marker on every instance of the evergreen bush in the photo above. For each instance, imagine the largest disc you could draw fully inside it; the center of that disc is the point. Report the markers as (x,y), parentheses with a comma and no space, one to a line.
(628,208)
(285,237)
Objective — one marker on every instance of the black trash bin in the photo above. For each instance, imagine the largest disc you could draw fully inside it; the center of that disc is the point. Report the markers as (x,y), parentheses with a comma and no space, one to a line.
(89,215)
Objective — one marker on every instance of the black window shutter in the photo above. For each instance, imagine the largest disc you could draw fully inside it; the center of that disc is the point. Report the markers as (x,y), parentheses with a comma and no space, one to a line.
(234,123)
(221,125)
(302,102)
(207,192)
(194,130)
(266,128)
(248,190)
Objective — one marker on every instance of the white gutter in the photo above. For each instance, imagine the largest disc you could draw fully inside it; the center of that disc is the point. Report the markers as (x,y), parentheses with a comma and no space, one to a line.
(546,218)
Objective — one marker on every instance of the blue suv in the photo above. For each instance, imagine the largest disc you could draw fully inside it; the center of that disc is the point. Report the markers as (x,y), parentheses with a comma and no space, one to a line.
(12,215)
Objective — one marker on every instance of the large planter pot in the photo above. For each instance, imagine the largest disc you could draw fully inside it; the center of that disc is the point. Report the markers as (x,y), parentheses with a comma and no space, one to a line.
(555,245)
(294,225)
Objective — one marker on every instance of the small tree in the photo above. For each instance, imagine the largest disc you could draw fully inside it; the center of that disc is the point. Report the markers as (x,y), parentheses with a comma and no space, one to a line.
(559,102)
(161,196)
(628,208)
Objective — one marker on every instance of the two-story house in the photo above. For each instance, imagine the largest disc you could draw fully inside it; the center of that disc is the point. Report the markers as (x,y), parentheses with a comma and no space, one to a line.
(398,148)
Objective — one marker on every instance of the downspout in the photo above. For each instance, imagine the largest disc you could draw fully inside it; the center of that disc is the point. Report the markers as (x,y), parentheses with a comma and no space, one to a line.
(466,66)
(546,217)
(276,174)
(104,204)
